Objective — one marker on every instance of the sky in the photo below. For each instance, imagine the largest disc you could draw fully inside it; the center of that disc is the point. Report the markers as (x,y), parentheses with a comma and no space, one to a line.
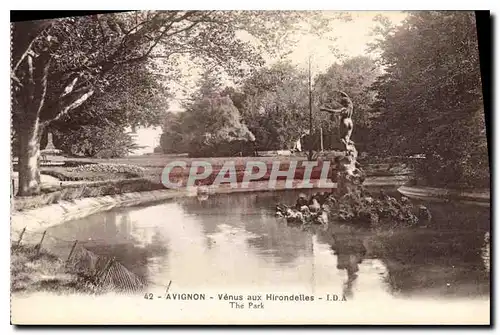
(352,38)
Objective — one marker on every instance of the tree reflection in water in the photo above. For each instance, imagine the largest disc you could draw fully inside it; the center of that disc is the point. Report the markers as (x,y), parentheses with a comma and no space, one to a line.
(442,263)
(422,263)
(446,258)
(348,258)
(450,258)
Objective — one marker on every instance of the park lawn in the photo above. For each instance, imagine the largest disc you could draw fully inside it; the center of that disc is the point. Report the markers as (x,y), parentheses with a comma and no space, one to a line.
(154,165)
(181,174)
(76,182)
(161,160)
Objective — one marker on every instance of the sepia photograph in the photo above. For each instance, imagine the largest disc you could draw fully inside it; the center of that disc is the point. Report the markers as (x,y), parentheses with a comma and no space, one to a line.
(250,167)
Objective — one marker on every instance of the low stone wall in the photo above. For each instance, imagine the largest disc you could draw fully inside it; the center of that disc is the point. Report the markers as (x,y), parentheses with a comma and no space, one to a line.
(89,189)
(475,197)
(54,214)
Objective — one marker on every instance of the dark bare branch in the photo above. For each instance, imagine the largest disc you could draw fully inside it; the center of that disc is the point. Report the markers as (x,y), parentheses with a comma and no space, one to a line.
(25,34)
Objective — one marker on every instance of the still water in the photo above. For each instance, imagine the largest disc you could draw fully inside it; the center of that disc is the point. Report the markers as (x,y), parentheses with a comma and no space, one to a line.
(234,242)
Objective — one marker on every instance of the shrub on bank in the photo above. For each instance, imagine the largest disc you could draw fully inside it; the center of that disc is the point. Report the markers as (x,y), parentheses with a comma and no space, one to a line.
(95,172)
(468,172)
(110,168)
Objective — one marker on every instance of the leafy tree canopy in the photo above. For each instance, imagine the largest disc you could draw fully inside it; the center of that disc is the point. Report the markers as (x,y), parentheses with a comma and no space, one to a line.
(430,98)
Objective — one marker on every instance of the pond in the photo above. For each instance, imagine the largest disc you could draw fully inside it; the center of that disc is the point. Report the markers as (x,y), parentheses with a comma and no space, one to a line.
(234,243)
(235,240)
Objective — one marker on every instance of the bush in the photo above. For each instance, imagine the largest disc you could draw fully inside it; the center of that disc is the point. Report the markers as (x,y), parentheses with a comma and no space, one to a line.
(95,172)
(95,141)
(110,167)
(471,171)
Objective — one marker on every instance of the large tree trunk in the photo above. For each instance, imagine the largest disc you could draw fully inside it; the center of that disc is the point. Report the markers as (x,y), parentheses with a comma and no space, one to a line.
(29,99)
(29,76)
(29,158)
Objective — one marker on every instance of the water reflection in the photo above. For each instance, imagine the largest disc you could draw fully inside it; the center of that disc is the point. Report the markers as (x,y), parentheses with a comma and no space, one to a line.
(435,262)
(350,252)
(252,215)
(112,234)
(232,241)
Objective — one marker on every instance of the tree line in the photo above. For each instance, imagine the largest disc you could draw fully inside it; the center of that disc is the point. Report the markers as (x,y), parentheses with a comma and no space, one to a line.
(421,94)
(86,78)
(273,105)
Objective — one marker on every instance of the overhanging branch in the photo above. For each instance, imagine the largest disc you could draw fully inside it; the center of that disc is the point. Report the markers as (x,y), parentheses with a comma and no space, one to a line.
(70,106)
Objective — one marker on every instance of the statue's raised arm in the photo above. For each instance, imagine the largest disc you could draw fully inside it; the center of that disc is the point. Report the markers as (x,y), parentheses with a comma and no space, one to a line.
(346,102)
(331,110)
(345,125)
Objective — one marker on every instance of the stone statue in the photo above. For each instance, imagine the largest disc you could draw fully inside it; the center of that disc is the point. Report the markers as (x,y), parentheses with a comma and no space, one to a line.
(346,125)
(348,201)
(348,174)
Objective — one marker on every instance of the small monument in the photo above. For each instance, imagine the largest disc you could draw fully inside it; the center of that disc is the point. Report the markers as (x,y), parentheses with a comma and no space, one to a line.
(50,150)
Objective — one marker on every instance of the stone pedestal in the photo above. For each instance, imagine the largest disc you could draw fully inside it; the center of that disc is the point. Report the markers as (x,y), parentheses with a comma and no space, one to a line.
(349,176)
(50,143)
(50,153)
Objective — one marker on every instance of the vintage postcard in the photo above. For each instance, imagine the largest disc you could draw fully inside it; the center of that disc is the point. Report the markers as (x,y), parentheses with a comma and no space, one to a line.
(183,167)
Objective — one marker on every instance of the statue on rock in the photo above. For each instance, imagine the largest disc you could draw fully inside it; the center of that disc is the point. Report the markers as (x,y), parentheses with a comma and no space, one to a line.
(345,125)
(347,169)
(349,202)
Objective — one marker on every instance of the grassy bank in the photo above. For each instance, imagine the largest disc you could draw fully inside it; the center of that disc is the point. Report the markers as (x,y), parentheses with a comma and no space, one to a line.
(86,272)
(33,271)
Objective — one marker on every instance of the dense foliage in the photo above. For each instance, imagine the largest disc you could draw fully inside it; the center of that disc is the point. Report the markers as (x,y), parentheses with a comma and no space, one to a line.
(211,124)
(275,105)
(100,128)
(430,98)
